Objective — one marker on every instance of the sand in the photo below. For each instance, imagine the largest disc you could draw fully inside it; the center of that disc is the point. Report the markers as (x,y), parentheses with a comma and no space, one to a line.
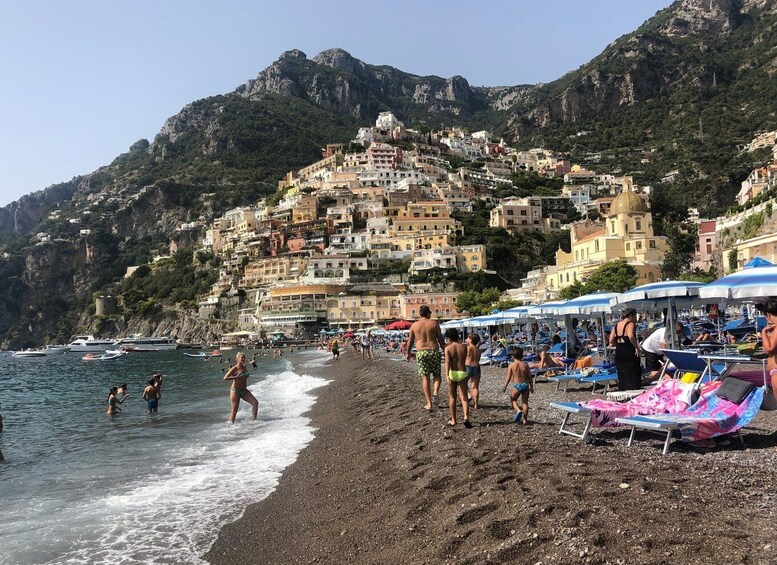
(385,483)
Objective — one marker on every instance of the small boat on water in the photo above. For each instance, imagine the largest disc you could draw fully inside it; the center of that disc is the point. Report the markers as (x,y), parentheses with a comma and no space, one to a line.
(29,353)
(200,355)
(104,357)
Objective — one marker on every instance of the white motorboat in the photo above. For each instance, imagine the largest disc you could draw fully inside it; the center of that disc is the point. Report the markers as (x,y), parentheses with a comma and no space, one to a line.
(29,353)
(90,344)
(143,343)
(56,349)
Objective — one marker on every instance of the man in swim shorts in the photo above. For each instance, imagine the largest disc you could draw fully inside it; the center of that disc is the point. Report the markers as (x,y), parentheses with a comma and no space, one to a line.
(456,372)
(150,396)
(426,335)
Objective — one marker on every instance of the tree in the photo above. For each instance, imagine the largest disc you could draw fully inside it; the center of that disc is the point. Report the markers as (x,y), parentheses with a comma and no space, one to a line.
(678,258)
(613,276)
(477,303)
(572,291)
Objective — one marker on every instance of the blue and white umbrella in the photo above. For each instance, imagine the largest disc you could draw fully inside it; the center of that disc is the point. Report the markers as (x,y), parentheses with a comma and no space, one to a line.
(595,303)
(517,315)
(547,310)
(756,262)
(748,284)
(660,295)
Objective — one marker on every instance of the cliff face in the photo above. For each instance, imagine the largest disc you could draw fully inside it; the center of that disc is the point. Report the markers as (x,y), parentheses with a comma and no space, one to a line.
(337,81)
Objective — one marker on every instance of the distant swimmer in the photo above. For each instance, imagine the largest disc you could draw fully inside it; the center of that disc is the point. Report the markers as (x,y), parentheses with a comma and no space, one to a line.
(113,402)
(151,396)
(122,392)
(239,389)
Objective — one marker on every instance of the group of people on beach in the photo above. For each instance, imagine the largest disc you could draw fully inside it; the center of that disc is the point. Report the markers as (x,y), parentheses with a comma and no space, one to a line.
(462,369)
(151,394)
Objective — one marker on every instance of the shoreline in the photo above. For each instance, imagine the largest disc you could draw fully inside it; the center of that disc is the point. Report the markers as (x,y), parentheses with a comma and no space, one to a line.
(382,482)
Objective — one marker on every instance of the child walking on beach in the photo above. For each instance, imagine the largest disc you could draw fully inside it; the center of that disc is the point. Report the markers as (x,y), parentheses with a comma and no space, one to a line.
(519,374)
(473,366)
(456,372)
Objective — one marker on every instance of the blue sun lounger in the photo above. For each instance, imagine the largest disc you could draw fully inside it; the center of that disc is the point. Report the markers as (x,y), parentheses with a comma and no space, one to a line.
(690,362)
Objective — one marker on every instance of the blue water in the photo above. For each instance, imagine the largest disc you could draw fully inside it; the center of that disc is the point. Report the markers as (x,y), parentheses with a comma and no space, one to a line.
(78,486)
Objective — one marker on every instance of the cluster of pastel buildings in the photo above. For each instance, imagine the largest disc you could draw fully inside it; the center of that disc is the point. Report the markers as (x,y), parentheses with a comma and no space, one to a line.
(347,241)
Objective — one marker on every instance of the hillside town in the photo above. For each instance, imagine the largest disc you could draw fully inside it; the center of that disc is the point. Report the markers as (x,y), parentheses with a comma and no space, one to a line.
(345,242)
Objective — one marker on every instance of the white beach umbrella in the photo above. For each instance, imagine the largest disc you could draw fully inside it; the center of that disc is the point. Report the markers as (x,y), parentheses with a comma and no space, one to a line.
(748,284)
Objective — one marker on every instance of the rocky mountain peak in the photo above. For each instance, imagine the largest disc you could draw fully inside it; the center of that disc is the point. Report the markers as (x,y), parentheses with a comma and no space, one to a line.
(694,16)
(340,60)
(292,54)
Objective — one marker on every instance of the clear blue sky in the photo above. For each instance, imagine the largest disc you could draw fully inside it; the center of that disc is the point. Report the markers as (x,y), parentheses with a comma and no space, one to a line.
(82,80)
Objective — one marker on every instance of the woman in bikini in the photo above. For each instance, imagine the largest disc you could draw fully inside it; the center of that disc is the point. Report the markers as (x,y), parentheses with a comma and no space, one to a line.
(238,374)
(113,402)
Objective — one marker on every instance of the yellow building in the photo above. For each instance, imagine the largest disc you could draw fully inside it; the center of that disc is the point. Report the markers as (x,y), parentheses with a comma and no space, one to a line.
(305,209)
(400,245)
(364,306)
(425,216)
(627,234)
(763,246)
(278,269)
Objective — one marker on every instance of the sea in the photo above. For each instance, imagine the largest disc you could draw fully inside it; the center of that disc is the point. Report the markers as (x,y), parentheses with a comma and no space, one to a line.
(79,486)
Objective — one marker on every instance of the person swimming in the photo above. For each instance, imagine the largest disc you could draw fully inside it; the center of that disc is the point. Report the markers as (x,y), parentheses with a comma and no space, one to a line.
(238,374)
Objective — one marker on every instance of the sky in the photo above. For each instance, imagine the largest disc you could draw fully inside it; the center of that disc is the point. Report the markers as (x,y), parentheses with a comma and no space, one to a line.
(80,81)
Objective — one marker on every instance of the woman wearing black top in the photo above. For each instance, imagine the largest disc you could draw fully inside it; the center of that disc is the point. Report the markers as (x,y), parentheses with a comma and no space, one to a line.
(624,338)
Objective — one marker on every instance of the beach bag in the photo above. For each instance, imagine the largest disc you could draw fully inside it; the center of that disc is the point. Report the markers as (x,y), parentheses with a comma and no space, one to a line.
(734,390)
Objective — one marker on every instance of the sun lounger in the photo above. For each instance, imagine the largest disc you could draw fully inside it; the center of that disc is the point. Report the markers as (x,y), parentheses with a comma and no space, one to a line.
(690,362)
(605,379)
(667,396)
(709,417)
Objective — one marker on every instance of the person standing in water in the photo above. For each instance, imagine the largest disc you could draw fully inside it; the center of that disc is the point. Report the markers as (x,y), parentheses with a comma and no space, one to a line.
(427,336)
(150,395)
(456,373)
(113,402)
(238,374)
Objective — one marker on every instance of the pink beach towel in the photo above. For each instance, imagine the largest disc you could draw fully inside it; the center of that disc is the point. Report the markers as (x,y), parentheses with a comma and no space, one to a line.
(667,397)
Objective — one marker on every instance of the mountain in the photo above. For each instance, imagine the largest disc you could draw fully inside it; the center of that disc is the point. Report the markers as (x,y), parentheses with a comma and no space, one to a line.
(683,92)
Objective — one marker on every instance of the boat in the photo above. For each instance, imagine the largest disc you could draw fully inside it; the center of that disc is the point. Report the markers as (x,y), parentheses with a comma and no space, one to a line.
(143,343)
(90,344)
(102,357)
(56,349)
(29,353)
(200,355)
(121,351)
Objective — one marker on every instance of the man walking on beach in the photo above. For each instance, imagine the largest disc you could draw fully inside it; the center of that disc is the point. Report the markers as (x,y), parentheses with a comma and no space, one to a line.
(427,336)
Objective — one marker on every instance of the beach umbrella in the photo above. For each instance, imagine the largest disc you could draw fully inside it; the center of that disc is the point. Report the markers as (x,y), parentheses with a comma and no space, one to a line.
(757,262)
(546,310)
(747,284)
(660,295)
(594,303)
(399,325)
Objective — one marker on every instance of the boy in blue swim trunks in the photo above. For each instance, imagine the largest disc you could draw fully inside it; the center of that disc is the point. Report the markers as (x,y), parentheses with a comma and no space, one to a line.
(473,366)
(519,375)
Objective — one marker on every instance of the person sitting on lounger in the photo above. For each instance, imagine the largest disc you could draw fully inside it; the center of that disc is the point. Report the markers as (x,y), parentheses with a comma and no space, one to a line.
(547,361)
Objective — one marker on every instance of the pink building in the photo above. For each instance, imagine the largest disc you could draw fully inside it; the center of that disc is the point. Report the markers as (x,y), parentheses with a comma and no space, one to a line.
(705,246)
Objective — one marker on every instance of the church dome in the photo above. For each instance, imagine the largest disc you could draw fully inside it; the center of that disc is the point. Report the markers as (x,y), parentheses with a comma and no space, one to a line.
(627,202)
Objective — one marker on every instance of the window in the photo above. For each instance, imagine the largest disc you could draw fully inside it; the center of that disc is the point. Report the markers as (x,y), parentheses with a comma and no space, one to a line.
(638,224)
(639,245)
(628,247)
(510,212)
(523,212)
(653,246)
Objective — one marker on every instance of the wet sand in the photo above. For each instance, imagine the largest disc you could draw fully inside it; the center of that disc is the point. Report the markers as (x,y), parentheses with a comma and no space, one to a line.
(385,483)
